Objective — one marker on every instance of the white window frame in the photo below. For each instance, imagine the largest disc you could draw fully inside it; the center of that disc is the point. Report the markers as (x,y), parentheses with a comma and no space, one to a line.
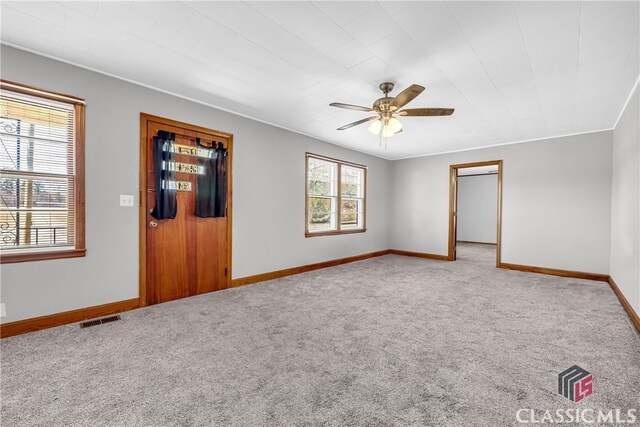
(337,229)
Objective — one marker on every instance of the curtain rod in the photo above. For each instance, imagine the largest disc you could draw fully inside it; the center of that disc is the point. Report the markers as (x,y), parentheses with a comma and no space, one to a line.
(189,136)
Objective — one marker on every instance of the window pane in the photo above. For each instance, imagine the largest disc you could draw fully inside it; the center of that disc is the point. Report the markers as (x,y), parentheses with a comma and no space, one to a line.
(322,177)
(35,212)
(358,224)
(352,214)
(21,153)
(322,214)
(352,182)
(29,117)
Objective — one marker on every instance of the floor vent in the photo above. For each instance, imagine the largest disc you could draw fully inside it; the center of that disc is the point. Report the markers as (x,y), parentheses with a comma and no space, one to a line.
(99,321)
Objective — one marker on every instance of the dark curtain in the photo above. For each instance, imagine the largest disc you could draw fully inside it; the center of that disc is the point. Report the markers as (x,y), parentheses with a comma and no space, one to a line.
(165,176)
(221,189)
(211,186)
(205,181)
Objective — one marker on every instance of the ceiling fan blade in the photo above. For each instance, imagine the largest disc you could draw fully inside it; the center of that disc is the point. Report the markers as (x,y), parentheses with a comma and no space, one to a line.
(406,96)
(426,112)
(351,107)
(359,122)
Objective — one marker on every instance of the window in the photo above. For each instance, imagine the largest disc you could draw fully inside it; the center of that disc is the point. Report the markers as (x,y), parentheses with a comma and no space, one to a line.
(41,174)
(335,196)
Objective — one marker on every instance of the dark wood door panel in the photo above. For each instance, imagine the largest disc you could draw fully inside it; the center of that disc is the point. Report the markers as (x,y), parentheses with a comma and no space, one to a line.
(211,244)
(187,255)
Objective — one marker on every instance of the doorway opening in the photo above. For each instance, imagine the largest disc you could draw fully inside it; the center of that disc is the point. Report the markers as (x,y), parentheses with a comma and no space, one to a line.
(475,211)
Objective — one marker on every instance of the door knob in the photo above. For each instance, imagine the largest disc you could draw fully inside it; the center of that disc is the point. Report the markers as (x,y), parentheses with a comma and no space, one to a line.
(153,224)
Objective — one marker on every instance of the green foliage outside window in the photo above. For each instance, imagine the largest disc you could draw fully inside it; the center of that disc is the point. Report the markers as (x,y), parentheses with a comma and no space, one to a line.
(320,210)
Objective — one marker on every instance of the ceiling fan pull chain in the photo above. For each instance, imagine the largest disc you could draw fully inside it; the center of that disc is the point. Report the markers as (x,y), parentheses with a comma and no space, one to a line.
(383,138)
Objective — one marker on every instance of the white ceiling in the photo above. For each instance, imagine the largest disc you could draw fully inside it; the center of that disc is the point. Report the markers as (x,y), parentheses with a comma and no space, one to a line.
(513,71)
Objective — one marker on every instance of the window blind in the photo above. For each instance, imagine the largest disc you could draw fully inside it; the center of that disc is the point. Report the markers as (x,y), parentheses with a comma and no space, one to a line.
(37,176)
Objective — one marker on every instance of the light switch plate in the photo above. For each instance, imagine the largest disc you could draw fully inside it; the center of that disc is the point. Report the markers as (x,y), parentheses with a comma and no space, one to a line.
(3,311)
(126,200)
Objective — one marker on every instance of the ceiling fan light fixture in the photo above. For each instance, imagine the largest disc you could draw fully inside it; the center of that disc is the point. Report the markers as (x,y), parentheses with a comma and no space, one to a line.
(391,127)
(394,125)
(375,127)
(387,133)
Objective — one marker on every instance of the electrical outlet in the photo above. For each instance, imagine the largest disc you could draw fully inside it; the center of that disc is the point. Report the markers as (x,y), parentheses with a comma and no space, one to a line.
(3,312)
(126,200)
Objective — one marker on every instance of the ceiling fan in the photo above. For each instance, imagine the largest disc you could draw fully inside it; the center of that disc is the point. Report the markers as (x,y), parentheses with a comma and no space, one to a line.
(387,110)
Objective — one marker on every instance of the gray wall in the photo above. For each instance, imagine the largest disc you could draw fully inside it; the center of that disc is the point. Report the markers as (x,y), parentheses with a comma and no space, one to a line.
(555,208)
(478,208)
(625,203)
(268,196)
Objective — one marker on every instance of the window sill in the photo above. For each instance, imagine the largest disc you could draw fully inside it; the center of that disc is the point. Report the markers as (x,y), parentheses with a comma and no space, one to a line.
(41,256)
(334,232)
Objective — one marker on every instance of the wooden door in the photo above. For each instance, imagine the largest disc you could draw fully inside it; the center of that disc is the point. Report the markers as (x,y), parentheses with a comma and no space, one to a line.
(187,255)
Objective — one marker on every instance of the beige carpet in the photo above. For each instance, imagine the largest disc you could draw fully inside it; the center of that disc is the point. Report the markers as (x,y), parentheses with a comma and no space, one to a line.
(383,342)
